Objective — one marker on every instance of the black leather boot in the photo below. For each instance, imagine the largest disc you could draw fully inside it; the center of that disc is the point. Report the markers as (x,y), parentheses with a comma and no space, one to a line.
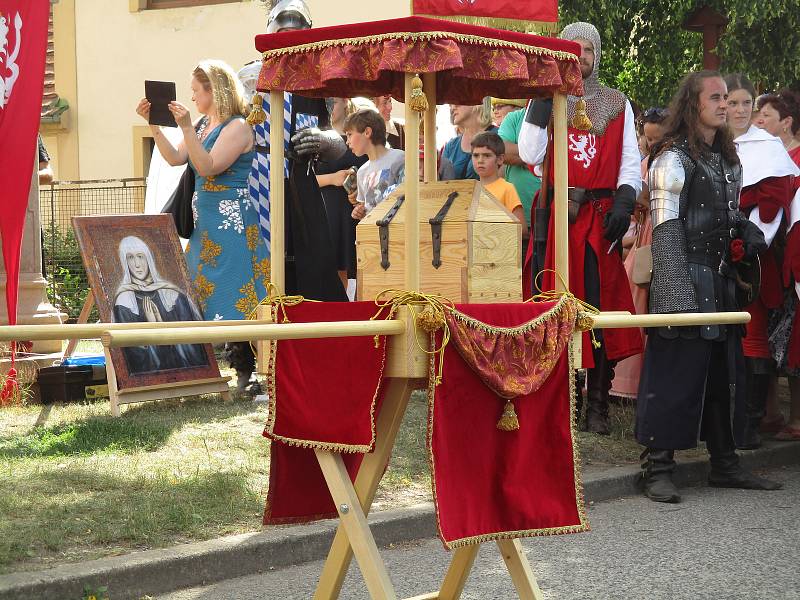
(598,385)
(755,407)
(726,471)
(657,470)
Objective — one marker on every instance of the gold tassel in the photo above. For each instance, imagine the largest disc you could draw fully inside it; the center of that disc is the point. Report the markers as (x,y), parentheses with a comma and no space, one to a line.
(418,101)
(508,420)
(430,320)
(585,322)
(581,120)
(257,115)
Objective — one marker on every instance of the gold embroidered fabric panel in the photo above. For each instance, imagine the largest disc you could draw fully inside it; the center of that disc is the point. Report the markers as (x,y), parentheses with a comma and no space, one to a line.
(513,361)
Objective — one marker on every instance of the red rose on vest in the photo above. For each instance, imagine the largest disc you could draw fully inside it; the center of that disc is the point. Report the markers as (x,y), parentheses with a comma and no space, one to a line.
(737,250)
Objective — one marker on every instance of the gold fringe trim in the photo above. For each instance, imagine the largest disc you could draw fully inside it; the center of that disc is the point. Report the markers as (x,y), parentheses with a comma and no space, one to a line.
(563,301)
(272,386)
(419,37)
(521,25)
(583,524)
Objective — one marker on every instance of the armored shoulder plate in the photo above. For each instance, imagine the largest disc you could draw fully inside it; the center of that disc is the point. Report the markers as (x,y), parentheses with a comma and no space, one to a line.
(666,180)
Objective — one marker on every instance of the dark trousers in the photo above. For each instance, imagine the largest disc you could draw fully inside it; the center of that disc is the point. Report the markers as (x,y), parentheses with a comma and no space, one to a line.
(685,393)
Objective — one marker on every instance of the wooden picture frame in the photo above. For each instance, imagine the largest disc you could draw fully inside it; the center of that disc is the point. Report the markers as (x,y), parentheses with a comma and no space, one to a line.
(137,273)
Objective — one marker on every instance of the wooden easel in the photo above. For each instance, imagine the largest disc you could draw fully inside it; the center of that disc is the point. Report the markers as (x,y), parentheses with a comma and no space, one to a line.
(117,397)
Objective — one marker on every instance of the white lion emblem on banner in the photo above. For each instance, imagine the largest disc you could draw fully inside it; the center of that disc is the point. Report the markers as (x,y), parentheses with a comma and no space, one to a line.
(467,2)
(584,148)
(9,71)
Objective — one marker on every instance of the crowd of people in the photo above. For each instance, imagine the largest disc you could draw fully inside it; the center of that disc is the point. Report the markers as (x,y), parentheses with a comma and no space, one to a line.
(671,210)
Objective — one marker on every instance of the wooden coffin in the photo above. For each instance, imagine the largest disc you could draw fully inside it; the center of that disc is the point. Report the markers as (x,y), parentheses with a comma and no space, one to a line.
(479,255)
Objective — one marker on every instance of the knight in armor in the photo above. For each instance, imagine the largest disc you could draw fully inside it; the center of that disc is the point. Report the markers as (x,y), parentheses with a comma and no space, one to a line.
(703,251)
(311,269)
(604,181)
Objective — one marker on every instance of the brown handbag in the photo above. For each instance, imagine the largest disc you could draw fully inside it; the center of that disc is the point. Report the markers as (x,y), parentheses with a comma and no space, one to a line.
(642,271)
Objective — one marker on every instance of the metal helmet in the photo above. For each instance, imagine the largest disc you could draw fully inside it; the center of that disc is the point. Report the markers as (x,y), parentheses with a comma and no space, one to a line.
(289,14)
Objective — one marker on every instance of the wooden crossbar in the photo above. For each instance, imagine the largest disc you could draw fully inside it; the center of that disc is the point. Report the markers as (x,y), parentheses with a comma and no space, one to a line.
(88,331)
(270,331)
(604,320)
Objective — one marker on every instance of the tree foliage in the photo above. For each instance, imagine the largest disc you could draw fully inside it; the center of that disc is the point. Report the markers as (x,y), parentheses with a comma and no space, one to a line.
(646,51)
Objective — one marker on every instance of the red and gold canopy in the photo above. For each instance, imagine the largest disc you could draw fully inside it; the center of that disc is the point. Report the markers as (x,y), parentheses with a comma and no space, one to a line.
(370,59)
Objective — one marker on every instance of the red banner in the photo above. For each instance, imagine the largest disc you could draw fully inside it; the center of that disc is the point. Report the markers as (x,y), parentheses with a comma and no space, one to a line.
(23,43)
(520,10)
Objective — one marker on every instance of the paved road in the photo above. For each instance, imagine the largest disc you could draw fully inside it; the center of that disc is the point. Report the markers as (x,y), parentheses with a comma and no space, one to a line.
(716,545)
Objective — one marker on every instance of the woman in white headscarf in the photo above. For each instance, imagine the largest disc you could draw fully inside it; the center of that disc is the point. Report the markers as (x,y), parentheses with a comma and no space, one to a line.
(144,297)
(768,174)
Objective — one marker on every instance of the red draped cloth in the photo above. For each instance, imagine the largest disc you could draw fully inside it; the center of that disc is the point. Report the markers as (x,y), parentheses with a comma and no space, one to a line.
(371,59)
(492,484)
(488,483)
(324,393)
(23,42)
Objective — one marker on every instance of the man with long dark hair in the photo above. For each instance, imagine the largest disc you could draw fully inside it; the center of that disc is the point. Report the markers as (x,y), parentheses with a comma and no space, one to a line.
(689,379)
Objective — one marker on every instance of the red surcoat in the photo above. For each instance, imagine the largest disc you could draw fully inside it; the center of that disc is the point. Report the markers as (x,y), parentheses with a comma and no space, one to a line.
(594,164)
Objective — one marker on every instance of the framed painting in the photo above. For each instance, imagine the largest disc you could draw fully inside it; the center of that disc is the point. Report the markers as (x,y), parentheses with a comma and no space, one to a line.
(138,274)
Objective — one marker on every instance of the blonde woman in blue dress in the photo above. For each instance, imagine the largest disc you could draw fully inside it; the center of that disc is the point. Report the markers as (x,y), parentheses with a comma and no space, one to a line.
(226,256)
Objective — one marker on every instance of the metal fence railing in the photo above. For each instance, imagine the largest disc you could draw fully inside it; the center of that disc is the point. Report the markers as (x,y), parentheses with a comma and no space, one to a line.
(58,203)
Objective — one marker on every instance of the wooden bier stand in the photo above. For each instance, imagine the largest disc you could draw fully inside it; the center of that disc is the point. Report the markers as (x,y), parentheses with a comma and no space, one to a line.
(406,369)
(406,365)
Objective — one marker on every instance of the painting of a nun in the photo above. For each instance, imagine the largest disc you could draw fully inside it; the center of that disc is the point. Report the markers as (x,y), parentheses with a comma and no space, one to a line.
(144,296)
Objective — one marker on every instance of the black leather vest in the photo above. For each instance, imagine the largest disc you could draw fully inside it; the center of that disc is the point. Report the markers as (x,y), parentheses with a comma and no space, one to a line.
(709,208)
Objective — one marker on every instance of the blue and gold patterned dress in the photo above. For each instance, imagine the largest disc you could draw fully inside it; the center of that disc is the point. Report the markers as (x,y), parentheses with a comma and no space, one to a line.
(226,255)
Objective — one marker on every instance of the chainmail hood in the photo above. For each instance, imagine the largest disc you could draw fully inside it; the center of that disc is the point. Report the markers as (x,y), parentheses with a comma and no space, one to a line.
(586,31)
(603,104)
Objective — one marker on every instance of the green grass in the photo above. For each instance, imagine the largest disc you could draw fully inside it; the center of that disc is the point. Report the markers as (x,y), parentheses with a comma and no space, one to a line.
(85,485)
(78,484)
(407,480)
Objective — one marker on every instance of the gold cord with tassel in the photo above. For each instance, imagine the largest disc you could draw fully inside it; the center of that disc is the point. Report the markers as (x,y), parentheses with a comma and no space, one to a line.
(580,119)
(257,115)
(584,320)
(279,302)
(428,312)
(418,101)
